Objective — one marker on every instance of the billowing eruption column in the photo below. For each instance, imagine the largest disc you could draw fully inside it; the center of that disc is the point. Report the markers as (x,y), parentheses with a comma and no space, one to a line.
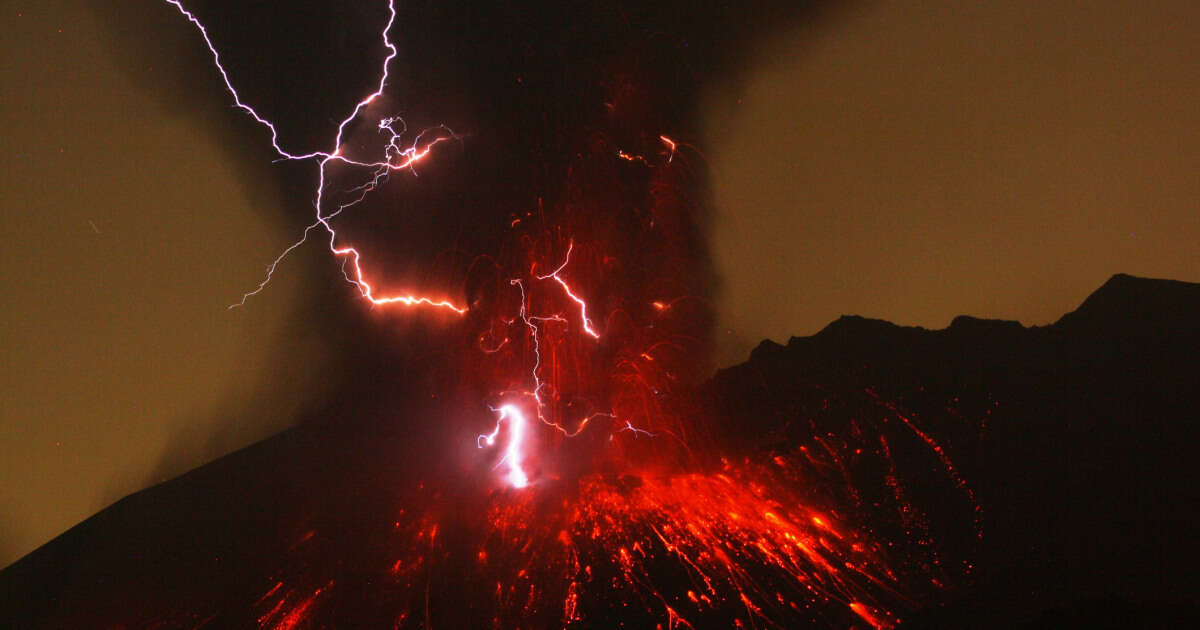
(581,282)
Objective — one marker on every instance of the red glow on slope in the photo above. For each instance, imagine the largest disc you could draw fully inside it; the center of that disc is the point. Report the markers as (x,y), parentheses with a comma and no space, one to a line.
(289,613)
(653,546)
(862,611)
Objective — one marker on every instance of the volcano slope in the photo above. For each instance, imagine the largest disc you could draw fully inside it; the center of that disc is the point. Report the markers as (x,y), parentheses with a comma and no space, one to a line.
(985,475)
(1076,439)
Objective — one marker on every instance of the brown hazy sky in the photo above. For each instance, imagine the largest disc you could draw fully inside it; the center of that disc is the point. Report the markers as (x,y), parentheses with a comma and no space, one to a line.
(892,160)
(916,161)
(127,230)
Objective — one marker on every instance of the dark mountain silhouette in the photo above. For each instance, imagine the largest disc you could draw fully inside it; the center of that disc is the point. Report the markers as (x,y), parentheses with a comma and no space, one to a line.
(1078,439)
(1075,441)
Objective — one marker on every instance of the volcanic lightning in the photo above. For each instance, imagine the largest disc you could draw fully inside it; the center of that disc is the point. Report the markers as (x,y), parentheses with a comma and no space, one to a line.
(513,452)
(583,318)
(396,157)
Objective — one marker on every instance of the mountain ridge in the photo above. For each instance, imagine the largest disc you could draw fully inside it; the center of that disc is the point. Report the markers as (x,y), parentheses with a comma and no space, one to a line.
(1123,298)
(1074,435)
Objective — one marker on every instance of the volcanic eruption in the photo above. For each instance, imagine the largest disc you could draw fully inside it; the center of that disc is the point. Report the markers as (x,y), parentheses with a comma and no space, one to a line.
(528,439)
(577,336)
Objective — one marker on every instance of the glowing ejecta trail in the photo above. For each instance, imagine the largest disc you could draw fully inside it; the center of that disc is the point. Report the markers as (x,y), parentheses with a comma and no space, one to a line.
(670,145)
(395,158)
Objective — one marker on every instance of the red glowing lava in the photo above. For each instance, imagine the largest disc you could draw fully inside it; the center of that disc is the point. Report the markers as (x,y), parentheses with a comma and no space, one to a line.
(745,545)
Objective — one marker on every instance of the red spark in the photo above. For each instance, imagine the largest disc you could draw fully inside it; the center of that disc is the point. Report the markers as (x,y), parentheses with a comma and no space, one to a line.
(867,616)
(670,145)
(632,158)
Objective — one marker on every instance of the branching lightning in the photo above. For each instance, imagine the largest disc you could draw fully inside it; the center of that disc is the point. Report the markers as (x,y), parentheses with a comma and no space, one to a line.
(511,414)
(396,157)
(587,323)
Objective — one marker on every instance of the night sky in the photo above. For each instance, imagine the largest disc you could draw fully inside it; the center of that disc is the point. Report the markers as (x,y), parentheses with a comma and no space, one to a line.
(917,161)
(910,164)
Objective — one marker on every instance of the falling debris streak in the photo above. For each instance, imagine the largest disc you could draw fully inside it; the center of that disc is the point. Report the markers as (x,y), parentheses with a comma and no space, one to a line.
(933,444)
(863,611)
(638,532)
(288,617)
(940,451)
(745,545)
